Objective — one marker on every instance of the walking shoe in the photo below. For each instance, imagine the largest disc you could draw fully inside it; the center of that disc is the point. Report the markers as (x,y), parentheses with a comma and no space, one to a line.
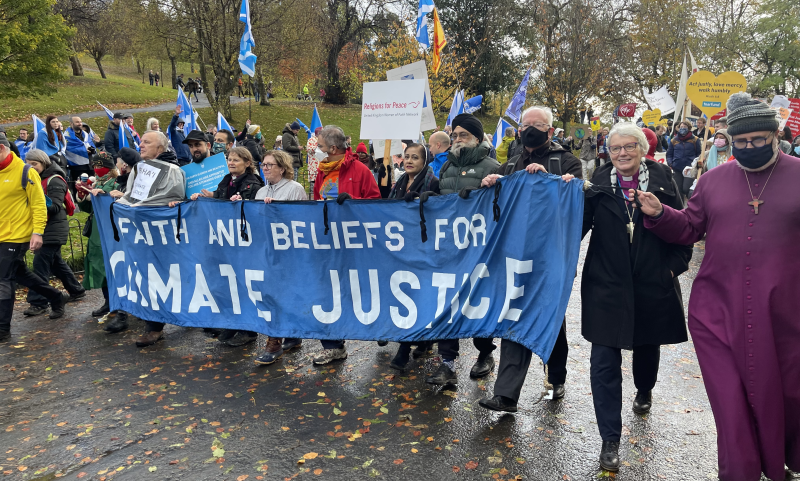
(443,376)
(77,296)
(609,456)
(118,323)
(102,310)
(273,353)
(643,402)
(211,332)
(241,338)
(482,367)
(57,308)
(499,403)
(290,343)
(35,310)
(5,336)
(226,335)
(559,391)
(149,338)
(383,343)
(400,359)
(327,356)
(422,350)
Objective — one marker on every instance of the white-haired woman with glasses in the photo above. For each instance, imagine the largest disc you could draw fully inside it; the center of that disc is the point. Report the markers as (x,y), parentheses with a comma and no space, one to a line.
(630,293)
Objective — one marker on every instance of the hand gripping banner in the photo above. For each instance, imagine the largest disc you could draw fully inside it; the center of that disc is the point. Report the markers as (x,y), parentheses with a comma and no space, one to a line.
(498,264)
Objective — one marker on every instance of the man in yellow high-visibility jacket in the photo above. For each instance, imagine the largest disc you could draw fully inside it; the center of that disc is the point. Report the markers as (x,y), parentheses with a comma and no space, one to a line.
(23,216)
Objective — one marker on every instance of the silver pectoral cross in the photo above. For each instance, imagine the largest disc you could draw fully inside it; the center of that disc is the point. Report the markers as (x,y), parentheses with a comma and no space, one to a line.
(630,230)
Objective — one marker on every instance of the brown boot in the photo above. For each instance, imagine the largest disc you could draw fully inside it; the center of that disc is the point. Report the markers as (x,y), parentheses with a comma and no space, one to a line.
(274,352)
(149,338)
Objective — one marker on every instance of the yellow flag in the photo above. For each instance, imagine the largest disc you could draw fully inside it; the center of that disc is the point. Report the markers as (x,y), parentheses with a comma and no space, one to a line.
(438,42)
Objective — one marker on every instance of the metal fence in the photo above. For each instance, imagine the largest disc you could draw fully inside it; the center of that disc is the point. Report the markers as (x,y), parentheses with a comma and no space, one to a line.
(73,251)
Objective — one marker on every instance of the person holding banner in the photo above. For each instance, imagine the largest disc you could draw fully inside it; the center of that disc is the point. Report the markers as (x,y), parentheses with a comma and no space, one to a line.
(744,303)
(278,170)
(341,176)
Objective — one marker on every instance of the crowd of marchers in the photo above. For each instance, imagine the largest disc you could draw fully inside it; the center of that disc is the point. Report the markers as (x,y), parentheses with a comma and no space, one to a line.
(645,215)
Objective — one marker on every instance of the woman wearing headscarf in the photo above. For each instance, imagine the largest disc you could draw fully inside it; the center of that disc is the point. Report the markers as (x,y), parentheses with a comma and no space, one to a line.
(630,292)
(279,172)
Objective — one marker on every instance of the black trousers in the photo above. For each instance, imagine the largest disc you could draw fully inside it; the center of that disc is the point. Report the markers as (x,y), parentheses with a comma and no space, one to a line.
(448,348)
(606,378)
(516,358)
(683,183)
(47,261)
(13,270)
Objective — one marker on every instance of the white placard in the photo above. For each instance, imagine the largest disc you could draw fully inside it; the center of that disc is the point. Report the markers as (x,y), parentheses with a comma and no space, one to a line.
(391,110)
(416,71)
(379,147)
(660,99)
(145,176)
(779,101)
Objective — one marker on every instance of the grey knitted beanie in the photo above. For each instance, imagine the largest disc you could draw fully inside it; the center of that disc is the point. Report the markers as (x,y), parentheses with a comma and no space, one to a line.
(746,115)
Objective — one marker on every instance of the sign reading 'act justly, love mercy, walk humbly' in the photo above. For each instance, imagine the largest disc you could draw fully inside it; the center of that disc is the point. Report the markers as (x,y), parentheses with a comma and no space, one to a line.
(359,270)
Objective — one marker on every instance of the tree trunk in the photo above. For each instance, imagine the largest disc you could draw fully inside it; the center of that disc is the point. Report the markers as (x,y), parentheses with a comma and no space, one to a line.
(174,72)
(334,93)
(139,67)
(262,89)
(203,75)
(77,68)
(100,66)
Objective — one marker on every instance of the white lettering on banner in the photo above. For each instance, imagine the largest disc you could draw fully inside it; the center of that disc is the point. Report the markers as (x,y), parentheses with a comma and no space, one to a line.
(157,288)
(329,317)
(367,226)
(394,236)
(282,236)
(439,234)
(284,239)
(403,277)
(122,229)
(296,236)
(316,244)
(116,258)
(461,244)
(251,276)
(475,230)
(335,234)
(131,292)
(184,232)
(365,318)
(145,176)
(201,297)
(348,235)
(160,224)
(442,282)
(513,291)
(226,270)
(139,285)
(479,311)
(454,302)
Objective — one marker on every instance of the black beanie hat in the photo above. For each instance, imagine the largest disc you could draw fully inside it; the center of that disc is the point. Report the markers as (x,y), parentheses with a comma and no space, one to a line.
(746,114)
(103,159)
(470,123)
(129,156)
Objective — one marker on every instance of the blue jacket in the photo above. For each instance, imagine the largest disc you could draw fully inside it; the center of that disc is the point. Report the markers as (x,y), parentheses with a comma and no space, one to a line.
(438,162)
(177,137)
(681,153)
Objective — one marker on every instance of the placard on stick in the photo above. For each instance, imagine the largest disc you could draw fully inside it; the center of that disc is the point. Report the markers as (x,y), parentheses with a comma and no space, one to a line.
(392,110)
(651,117)
(710,93)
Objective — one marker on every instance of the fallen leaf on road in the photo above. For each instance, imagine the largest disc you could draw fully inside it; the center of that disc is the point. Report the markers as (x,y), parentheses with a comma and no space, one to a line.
(471,465)
(310,455)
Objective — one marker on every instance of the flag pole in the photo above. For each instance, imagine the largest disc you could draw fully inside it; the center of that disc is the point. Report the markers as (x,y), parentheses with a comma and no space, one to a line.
(249,103)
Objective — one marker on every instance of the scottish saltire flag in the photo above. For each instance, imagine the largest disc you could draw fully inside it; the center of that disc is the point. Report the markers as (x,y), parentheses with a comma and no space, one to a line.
(223,124)
(38,125)
(315,120)
(456,107)
(108,112)
(188,115)
(78,144)
(425,7)
(247,59)
(472,104)
(123,135)
(514,109)
(502,125)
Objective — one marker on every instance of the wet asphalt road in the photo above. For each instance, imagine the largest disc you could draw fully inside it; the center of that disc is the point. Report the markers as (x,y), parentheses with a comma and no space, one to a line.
(80,404)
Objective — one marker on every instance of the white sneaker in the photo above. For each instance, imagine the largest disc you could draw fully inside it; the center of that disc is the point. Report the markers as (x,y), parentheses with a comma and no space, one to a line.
(327,356)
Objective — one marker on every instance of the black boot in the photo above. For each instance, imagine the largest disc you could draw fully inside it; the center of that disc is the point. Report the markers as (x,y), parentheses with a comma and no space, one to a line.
(559,391)
(483,367)
(643,402)
(102,310)
(422,349)
(609,456)
(401,358)
(118,324)
(499,403)
(444,375)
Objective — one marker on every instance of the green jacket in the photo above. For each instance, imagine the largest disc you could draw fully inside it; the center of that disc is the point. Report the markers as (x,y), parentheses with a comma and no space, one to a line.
(94,268)
(467,170)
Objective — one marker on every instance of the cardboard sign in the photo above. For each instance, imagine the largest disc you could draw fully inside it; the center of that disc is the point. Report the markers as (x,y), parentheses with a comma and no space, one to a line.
(720,114)
(782,114)
(579,131)
(379,147)
(651,117)
(660,99)
(417,71)
(627,110)
(794,119)
(710,93)
(391,110)
(206,174)
(779,101)
(595,125)
(146,175)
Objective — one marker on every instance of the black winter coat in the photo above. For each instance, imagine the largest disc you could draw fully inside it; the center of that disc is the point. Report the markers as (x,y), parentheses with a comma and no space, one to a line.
(246,185)
(56,230)
(556,160)
(291,146)
(111,139)
(629,298)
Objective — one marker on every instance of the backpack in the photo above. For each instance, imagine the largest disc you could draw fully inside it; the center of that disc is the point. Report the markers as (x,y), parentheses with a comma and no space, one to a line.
(554,159)
(69,202)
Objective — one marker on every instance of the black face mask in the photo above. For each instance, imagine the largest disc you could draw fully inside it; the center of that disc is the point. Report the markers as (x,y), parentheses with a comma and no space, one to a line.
(754,158)
(534,138)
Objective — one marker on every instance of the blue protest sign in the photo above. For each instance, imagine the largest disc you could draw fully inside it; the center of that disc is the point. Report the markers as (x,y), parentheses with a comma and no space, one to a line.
(359,270)
(206,174)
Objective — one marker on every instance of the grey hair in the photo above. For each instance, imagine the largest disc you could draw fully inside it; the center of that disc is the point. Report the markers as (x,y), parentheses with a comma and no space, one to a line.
(334,137)
(39,156)
(509,131)
(547,112)
(162,139)
(150,123)
(631,130)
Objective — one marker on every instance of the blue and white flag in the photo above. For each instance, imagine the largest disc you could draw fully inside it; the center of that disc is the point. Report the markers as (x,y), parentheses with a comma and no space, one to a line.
(457,107)
(38,125)
(188,115)
(304,126)
(502,125)
(472,104)
(223,124)
(514,109)
(474,278)
(247,59)
(108,112)
(315,120)
(425,7)
(123,135)
(78,144)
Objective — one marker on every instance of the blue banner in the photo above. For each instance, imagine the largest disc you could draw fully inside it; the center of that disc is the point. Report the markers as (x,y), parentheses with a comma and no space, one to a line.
(206,174)
(371,277)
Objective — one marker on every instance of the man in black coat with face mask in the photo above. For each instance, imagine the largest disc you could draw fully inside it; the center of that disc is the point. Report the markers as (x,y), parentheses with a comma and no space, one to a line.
(536,132)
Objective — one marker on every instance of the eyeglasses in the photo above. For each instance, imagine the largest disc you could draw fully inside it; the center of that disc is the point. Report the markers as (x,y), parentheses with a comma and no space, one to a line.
(267,166)
(757,142)
(538,125)
(461,135)
(628,148)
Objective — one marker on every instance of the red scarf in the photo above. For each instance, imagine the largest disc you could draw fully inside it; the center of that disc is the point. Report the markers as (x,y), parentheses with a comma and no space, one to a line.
(7,162)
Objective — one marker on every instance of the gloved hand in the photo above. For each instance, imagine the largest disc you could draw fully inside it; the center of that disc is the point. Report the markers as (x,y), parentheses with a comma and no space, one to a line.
(687,170)
(410,196)
(464,193)
(423,197)
(343,197)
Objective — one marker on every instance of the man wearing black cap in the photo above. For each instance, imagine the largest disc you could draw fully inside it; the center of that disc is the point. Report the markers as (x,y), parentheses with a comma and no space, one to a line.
(199,147)
(111,139)
(291,145)
(467,164)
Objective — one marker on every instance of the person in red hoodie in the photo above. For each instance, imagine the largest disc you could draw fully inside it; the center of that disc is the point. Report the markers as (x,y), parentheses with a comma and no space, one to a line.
(652,141)
(340,176)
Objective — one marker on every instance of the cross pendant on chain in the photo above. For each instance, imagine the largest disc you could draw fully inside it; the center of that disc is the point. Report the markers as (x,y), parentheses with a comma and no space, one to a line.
(755,203)
(630,230)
